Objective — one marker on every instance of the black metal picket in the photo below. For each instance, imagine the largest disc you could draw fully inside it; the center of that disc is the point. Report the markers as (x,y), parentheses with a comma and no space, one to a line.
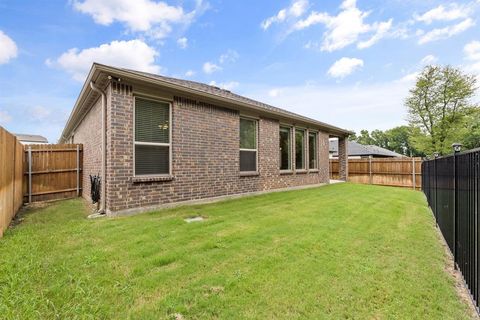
(451,185)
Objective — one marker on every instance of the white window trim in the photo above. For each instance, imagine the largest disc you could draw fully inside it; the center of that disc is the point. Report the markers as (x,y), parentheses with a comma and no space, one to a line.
(154,143)
(308,149)
(305,149)
(292,153)
(256,146)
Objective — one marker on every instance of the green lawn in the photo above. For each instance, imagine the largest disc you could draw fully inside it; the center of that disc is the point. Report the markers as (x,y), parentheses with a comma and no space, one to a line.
(339,251)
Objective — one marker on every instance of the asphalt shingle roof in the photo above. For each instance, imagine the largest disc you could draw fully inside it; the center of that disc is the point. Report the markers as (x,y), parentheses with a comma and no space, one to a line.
(357,149)
(31,137)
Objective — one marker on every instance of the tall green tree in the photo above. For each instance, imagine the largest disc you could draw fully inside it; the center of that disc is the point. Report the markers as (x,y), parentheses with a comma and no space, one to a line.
(364,137)
(469,134)
(396,139)
(400,142)
(437,107)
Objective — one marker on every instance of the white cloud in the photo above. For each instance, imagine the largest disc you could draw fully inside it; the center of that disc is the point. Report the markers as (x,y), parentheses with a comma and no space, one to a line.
(274,92)
(441,13)
(409,78)
(5,117)
(39,113)
(295,10)
(189,73)
(356,107)
(429,59)
(346,28)
(472,53)
(446,32)
(382,30)
(345,66)
(225,85)
(133,54)
(182,42)
(210,67)
(229,57)
(8,49)
(472,50)
(151,17)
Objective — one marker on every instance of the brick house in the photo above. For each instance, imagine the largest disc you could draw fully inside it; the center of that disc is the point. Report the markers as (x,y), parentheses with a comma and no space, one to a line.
(160,141)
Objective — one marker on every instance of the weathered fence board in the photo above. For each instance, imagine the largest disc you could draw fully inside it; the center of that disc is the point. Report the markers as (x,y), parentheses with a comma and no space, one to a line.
(52,171)
(396,172)
(11,171)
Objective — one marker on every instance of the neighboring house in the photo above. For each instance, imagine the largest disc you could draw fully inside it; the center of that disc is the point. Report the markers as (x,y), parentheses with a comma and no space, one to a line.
(31,138)
(159,140)
(357,151)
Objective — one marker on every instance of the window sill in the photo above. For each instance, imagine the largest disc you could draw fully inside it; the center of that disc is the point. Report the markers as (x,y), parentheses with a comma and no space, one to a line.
(301,171)
(286,172)
(249,173)
(313,170)
(140,179)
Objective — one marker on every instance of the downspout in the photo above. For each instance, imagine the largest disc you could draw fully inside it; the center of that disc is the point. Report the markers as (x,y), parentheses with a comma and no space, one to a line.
(104,147)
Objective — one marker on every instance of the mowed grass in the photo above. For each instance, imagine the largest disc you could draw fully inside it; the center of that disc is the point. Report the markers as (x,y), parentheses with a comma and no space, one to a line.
(334,252)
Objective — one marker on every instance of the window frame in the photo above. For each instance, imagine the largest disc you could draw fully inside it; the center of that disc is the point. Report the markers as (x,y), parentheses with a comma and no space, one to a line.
(244,149)
(159,144)
(305,148)
(291,129)
(316,150)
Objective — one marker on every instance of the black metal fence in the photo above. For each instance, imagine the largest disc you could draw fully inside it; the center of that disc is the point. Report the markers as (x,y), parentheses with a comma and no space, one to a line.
(451,185)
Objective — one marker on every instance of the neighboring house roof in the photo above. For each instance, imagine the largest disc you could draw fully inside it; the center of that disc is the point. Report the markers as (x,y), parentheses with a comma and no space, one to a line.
(357,149)
(31,138)
(100,73)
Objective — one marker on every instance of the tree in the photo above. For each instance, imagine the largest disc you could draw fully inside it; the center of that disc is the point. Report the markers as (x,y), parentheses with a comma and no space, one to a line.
(470,133)
(364,137)
(400,142)
(379,138)
(396,139)
(437,106)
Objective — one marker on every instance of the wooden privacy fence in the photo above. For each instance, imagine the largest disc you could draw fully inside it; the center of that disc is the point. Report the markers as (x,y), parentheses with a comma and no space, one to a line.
(52,171)
(11,169)
(395,172)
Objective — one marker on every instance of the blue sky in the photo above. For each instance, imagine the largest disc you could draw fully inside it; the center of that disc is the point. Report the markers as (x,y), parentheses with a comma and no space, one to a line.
(349,63)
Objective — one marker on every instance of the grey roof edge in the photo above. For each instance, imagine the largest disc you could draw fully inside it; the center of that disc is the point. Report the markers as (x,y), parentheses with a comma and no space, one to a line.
(30,137)
(358,149)
(172,83)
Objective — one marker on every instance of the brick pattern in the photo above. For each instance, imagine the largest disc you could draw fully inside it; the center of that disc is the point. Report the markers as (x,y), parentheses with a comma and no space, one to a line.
(343,158)
(89,133)
(205,155)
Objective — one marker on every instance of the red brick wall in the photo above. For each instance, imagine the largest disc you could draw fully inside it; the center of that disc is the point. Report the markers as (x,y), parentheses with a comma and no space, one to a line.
(205,159)
(89,133)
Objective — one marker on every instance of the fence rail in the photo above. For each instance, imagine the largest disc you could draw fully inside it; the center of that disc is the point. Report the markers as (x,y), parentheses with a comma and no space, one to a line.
(11,169)
(52,171)
(451,186)
(396,172)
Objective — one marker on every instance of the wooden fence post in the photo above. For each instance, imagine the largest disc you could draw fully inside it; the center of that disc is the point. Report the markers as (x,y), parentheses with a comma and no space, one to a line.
(78,170)
(29,174)
(370,168)
(413,174)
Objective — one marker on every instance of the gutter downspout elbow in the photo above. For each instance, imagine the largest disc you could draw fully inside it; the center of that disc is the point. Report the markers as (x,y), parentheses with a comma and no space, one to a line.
(103,201)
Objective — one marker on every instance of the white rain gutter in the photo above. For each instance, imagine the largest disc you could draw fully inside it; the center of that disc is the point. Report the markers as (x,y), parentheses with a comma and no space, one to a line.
(104,147)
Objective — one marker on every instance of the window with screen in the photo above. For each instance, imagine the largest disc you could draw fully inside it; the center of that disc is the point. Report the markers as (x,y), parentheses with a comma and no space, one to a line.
(248,145)
(285,148)
(152,137)
(312,150)
(299,149)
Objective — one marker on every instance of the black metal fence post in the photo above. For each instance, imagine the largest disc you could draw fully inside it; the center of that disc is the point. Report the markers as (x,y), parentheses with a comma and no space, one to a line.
(455,210)
(435,187)
(452,187)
